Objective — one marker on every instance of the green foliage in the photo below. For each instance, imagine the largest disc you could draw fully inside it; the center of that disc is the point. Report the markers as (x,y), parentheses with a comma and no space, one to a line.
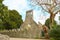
(9,19)
(55,33)
(1,15)
(15,18)
(1,1)
(47,23)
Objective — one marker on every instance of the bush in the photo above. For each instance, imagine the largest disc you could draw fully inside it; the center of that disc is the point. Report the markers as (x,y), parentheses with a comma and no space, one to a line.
(47,23)
(55,33)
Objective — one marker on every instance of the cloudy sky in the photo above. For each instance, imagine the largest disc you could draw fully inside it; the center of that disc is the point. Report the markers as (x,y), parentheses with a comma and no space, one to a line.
(23,5)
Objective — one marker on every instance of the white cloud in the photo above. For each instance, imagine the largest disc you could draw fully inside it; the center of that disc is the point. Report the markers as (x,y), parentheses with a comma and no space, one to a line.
(14,4)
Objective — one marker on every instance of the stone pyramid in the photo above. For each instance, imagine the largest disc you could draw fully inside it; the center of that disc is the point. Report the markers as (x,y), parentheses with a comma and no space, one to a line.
(30,29)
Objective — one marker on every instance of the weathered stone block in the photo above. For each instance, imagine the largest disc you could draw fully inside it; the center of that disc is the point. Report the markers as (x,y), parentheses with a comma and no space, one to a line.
(4,37)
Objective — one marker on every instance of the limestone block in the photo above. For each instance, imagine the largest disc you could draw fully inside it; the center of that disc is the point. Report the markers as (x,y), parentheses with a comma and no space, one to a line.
(4,37)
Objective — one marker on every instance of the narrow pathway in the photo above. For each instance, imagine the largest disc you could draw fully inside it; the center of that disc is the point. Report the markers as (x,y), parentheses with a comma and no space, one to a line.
(25,39)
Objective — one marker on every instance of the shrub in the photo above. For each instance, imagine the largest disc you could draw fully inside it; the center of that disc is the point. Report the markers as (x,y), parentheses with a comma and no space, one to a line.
(55,33)
(47,23)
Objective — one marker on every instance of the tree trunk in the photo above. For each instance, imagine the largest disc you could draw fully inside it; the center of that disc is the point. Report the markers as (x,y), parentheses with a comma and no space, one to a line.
(52,16)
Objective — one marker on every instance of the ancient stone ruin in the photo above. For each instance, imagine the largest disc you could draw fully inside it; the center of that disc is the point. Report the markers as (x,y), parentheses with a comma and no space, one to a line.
(30,29)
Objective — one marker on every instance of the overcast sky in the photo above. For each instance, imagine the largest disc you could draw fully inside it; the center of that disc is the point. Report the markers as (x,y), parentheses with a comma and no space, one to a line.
(24,5)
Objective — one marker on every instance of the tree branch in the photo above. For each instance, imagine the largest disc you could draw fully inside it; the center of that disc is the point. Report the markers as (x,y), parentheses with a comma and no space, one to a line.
(58,3)
(42,6)
(45,4)
(47,7)
(57,12)
(54,4)
(44,9)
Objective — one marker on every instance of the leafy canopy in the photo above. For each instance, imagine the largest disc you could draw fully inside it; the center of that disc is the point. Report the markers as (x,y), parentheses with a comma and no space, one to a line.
(9,19)
(47,23)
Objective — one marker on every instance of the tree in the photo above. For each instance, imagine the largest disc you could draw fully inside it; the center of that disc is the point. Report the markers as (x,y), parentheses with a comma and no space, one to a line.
(15,19)
(9,19)
(55,33)
(1,1)
(3,14)
(48,22)
(50,6)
